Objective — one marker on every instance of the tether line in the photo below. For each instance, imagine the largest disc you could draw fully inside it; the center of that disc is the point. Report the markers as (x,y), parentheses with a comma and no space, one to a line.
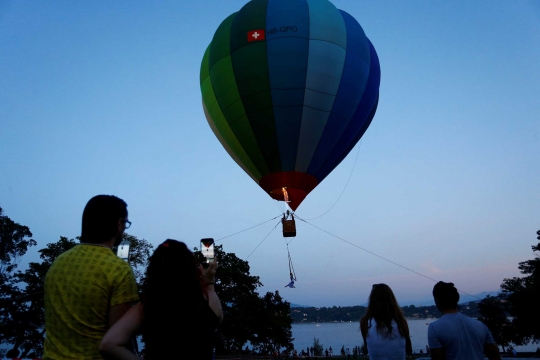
(380,257)
(345,187)
(249,228)
(263,239)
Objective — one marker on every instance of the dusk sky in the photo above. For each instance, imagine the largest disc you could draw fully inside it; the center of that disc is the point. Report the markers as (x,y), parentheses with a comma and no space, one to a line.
(103,97)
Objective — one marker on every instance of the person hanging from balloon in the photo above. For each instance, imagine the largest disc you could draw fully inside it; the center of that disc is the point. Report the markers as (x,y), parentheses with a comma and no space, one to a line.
(291,271)
(291,284)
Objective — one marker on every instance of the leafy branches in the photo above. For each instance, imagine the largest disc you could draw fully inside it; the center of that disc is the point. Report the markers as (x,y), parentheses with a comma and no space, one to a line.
(264,321)
(15,239)
(519,299)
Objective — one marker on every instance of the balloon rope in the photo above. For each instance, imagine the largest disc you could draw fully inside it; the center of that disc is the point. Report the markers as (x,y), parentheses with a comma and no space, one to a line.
(278,206)
(267,235)
(291,267)
(345,187)
(248,228)
(379,256)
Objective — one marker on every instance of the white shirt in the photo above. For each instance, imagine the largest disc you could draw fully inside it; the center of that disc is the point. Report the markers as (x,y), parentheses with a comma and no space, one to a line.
(460,337)
(380,348)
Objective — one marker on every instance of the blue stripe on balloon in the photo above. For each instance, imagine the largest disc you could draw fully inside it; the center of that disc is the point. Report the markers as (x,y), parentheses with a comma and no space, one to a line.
(327,50)
(362,118)
(326,23)
(363,129)
(325,65)
(287,43)
(351,89)
(286,18)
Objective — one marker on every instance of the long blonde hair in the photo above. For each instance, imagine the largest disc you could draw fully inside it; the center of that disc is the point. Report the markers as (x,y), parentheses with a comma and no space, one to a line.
(384,308)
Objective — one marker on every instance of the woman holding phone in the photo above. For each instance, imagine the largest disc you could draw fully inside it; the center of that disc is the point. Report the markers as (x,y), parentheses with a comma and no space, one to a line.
(384,328)
(179,312)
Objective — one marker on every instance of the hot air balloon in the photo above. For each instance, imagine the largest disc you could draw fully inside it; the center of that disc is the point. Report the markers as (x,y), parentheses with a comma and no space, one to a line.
(288,88)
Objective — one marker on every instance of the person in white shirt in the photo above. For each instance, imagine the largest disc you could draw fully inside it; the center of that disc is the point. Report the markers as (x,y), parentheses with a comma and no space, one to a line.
(384,328)
(456,336)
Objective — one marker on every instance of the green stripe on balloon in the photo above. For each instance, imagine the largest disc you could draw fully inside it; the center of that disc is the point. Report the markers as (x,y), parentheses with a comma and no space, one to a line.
(226,145)
(251,70)
(251,17)
(250,63)
(220,42)
(219,124)
(226,92)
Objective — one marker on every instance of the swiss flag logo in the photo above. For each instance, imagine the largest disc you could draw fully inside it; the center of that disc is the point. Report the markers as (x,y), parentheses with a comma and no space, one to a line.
(256,35)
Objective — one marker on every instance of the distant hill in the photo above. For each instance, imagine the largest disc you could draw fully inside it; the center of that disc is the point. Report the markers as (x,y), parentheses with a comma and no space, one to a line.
(468,298)
(463,298)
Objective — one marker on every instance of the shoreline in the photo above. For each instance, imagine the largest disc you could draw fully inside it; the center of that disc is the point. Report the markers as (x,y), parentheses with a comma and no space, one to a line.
(349,322)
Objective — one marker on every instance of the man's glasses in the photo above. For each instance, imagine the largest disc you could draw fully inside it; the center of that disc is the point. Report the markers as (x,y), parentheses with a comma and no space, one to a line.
(128,223)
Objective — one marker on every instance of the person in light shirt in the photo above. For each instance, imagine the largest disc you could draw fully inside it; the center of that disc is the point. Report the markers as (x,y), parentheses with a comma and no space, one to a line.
(384,328)
(456,336)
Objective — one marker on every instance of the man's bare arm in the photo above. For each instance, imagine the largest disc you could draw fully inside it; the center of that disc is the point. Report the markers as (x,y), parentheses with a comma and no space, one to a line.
(117,311)
(492,352)
(437,354)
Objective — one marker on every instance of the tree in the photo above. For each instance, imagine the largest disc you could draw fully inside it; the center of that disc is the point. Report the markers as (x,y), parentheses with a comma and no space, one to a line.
(496,319)
(15,239)
(29,318)
(263,321)
(139,254)
(272,330)
(317,347)
(521,296)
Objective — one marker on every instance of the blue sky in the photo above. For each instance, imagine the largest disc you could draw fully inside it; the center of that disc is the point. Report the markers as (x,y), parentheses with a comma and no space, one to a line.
(103,98)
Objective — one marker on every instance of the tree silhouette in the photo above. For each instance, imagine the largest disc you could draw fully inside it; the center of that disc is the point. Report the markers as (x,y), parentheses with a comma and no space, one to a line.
(15,239)
(519,298)
(264,321)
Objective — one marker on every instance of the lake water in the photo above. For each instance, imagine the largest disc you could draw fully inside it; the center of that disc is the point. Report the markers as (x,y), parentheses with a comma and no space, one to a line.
(348,334)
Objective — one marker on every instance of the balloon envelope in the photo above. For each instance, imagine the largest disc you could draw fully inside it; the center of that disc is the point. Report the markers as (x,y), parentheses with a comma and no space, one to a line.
(288,88)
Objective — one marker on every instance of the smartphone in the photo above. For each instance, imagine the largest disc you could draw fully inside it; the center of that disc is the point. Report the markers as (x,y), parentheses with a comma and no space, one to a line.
(123,250)
(207,249)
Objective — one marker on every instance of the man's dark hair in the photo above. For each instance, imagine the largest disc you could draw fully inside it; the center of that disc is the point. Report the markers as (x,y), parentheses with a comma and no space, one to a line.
(100,218)
(446,294)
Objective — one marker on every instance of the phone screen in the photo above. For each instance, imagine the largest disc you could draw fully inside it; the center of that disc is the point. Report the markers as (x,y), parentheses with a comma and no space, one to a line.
(123,251)
(207,249)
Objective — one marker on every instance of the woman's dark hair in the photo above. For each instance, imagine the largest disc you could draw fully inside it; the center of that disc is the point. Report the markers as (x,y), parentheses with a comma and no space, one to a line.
(447,296)
(173,301)
(100,218)
(384,308)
